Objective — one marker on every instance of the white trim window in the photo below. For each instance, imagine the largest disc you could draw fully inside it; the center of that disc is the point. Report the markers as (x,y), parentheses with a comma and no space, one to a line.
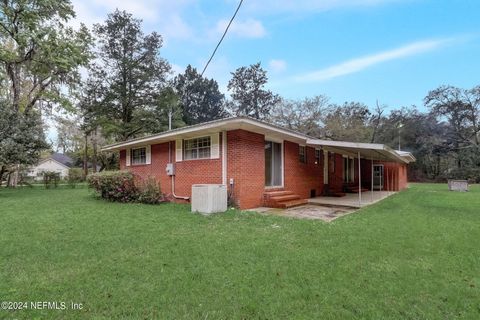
(138,156)
(302,154)
(317,156)
(197,148)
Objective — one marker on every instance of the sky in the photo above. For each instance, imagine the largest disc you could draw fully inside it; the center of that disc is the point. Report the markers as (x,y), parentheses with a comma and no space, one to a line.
(390,51)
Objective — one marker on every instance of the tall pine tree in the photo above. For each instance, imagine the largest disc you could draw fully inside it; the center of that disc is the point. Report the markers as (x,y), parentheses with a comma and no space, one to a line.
(200,98)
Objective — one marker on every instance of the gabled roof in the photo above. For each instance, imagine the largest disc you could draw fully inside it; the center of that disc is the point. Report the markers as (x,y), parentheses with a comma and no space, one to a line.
(226,124)
(62,158)
(51,159)
(271,131)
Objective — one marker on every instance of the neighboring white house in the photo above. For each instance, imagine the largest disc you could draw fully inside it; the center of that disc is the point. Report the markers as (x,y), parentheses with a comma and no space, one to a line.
(57,162)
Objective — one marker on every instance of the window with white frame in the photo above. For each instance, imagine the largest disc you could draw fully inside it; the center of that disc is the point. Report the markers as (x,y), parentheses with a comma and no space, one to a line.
(197,148)
(139,156)
(302,153)
(317,156)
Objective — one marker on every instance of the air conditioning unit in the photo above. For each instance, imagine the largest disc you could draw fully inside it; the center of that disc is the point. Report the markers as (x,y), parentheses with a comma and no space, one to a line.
(209,198)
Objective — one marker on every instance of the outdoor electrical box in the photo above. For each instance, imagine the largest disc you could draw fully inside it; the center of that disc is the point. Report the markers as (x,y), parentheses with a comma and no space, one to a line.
(170,169)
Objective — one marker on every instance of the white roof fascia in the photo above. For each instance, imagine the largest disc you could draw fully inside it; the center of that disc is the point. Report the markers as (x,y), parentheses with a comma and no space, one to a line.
(236,123)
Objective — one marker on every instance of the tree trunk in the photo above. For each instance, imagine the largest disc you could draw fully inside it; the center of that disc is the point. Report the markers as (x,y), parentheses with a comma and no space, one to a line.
(85,157)
(13,74)
(13,177)
(2,171)
(94,145)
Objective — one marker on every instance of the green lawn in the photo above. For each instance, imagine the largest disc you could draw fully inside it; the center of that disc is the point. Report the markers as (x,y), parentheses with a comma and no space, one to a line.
(415,255)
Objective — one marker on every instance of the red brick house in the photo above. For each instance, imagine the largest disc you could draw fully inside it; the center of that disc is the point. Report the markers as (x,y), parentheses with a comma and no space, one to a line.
(261,164)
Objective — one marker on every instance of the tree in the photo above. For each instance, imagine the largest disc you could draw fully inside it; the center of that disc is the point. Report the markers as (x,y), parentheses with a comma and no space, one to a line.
(40,56)
(68,134)
(200,98)
(305,115)
(249,96)
(168,105)
(460,108)
(21,140)
(129,76)
(347,122)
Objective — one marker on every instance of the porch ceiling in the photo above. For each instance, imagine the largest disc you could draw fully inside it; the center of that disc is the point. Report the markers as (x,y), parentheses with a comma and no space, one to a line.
(369,151)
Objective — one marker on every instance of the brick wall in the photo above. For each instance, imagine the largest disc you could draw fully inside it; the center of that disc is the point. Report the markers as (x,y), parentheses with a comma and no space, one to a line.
(246,166)
(188,172)
(394,175)
(300,177)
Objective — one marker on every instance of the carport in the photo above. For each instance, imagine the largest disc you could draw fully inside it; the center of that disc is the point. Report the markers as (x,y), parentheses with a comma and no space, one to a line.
(366,154)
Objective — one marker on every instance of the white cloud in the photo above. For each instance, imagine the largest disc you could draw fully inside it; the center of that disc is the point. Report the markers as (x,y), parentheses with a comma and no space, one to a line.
(277,65)
(165,14)
(250,28)
(362,63)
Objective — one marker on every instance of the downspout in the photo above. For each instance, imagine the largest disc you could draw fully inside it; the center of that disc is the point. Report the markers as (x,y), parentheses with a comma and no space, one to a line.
(173,176)
(224,158)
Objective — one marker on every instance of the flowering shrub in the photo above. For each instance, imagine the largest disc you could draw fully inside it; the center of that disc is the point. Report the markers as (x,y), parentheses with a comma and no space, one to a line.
(114,185)
(149,192)
(122,186)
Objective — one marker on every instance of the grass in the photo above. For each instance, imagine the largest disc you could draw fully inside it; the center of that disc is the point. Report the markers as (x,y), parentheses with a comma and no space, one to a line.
(415,255)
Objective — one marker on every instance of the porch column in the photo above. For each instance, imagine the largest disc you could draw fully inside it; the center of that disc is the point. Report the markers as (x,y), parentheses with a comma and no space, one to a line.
(359,181)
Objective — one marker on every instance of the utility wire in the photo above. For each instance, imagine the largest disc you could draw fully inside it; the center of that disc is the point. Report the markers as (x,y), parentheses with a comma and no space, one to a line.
(223,36)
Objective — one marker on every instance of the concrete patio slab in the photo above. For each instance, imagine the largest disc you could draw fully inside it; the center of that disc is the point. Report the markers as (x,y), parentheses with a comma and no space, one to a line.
(351,200)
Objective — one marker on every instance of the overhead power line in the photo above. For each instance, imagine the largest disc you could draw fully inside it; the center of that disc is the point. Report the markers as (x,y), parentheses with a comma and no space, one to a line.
(223,36)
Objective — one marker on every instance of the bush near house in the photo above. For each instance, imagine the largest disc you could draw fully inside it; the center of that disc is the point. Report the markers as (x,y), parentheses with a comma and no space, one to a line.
(149,192)
(50,179)
(123,186)
(75,176)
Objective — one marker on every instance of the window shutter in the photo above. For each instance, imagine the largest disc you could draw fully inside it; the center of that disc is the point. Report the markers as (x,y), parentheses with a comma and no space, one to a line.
(214,146)
(148,154)
(128,157)
(178,149)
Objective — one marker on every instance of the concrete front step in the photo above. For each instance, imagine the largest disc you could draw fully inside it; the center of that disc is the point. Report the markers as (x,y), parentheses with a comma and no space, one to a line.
(286,197)
(282,199)
(271,194)
(292,203)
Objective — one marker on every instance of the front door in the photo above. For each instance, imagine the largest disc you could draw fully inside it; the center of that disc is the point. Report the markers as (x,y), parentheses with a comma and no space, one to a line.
(378,176)
(273,164)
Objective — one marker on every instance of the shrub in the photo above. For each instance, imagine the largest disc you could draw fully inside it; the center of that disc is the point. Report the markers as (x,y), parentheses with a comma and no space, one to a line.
(50,178)
(114,185)
(149,192)
(75,175)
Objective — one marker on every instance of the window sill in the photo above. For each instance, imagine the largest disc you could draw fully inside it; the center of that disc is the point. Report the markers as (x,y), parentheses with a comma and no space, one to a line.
(139,165)
(200,159)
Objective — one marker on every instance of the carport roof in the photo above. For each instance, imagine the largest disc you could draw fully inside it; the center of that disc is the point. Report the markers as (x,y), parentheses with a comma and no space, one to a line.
(374,151)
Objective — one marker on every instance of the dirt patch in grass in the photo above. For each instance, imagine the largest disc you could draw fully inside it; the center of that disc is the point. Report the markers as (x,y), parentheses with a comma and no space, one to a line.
(309,212)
